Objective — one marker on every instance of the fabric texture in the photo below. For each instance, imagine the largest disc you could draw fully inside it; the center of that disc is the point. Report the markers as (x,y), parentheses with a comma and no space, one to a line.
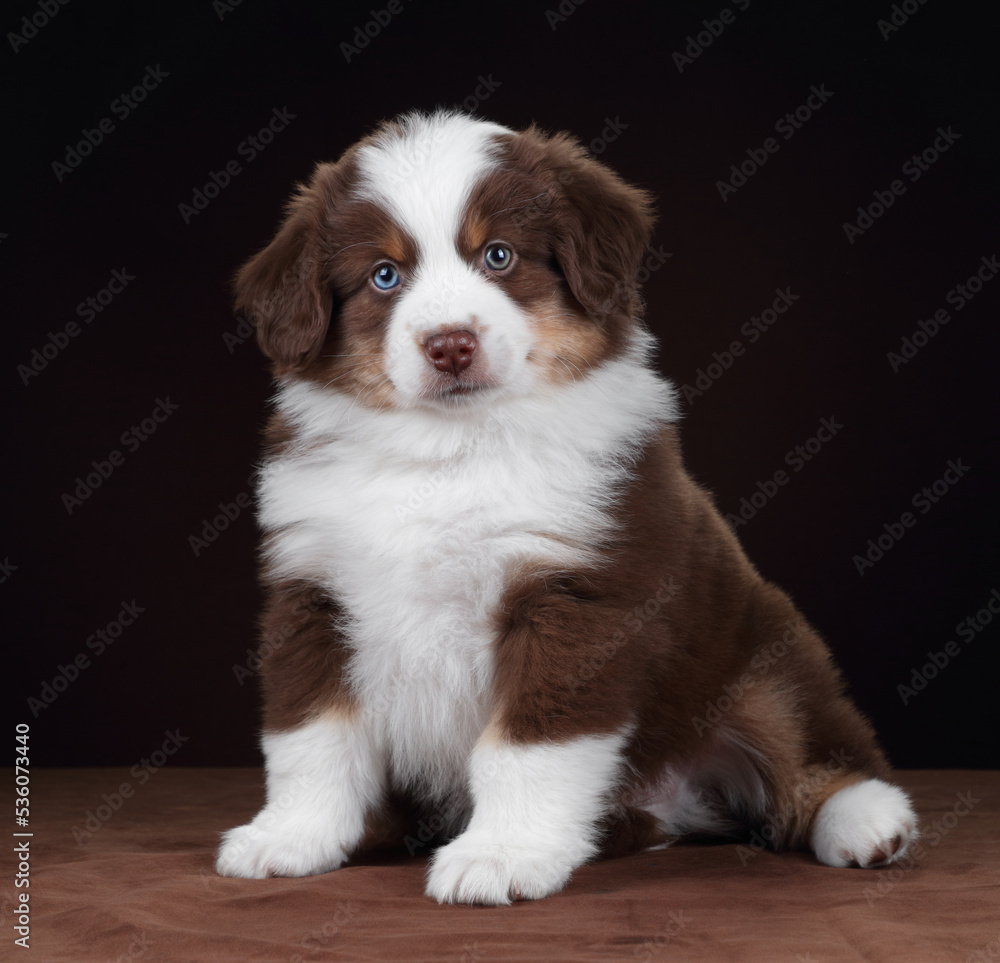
(121,876)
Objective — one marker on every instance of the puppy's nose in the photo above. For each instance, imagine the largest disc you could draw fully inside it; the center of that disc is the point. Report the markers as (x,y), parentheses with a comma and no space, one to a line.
(451,351)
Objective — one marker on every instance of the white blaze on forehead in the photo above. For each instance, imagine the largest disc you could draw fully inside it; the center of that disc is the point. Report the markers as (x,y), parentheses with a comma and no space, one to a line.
(424,172)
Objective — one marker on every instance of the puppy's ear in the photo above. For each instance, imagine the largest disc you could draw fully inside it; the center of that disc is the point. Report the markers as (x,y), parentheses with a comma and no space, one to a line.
(600,225)
(281,290)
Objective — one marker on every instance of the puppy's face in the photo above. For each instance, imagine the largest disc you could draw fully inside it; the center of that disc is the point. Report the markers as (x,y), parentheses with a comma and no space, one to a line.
(448,265)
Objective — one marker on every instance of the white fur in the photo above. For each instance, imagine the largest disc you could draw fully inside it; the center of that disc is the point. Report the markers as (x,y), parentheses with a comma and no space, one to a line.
(424,174)
(412,516)
(704,796)
(321,780)
(445,155)
(413,519)
(533,821)
(859,820)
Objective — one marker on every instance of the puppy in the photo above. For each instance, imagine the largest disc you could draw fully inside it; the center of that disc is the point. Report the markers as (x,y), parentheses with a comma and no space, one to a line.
(493,591)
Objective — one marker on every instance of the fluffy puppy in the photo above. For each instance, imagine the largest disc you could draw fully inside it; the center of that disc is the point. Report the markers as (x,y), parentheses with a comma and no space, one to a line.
(493,591)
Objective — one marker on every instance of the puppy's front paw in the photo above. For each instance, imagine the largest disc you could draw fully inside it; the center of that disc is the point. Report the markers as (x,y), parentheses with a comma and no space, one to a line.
(477,869)
(868,824)
(259,850)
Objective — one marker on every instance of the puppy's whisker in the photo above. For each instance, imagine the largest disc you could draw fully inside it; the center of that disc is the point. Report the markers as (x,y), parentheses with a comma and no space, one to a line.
(568,365)
(363,396)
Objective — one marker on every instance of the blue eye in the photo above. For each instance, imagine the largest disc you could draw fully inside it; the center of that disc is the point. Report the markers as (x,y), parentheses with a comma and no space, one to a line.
(498,257)
(386,277)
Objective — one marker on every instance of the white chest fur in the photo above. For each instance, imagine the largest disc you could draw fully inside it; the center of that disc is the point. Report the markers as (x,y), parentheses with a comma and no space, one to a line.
(412,521)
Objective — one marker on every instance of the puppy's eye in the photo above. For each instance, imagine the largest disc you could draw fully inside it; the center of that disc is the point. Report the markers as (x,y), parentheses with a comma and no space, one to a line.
(498,257)
(386,277)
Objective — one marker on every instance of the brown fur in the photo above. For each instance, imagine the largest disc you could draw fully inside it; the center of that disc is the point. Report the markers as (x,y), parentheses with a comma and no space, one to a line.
(674,620)
(571,659)
(303,658)
(578,232)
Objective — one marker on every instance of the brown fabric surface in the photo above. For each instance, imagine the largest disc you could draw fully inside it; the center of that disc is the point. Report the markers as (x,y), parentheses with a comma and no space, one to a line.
(142,887)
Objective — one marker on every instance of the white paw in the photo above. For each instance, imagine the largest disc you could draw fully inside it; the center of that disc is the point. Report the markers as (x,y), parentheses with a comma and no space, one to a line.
(266,848)
(477,869)
(868,824)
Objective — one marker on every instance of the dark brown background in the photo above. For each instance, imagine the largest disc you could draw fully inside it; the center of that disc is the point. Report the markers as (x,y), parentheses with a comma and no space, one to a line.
(163,337)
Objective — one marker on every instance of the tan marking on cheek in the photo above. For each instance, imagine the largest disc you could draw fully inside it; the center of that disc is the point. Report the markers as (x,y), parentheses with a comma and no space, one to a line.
(566,343)
(361,371)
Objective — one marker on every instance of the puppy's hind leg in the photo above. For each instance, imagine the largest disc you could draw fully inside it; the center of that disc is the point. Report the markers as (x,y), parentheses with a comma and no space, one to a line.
(866,823)
(826,780)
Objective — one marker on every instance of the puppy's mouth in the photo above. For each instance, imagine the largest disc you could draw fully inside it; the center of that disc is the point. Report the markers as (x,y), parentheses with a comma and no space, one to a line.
(455,389)
(462,387)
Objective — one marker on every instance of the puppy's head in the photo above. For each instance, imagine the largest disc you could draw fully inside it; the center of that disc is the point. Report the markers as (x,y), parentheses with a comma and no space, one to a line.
(445,261)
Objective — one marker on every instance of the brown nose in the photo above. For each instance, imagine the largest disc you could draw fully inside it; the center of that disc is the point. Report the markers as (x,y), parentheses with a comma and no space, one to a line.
(452,351)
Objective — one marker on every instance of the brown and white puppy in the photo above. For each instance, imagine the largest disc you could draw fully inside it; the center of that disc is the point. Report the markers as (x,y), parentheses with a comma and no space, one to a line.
(493,589)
